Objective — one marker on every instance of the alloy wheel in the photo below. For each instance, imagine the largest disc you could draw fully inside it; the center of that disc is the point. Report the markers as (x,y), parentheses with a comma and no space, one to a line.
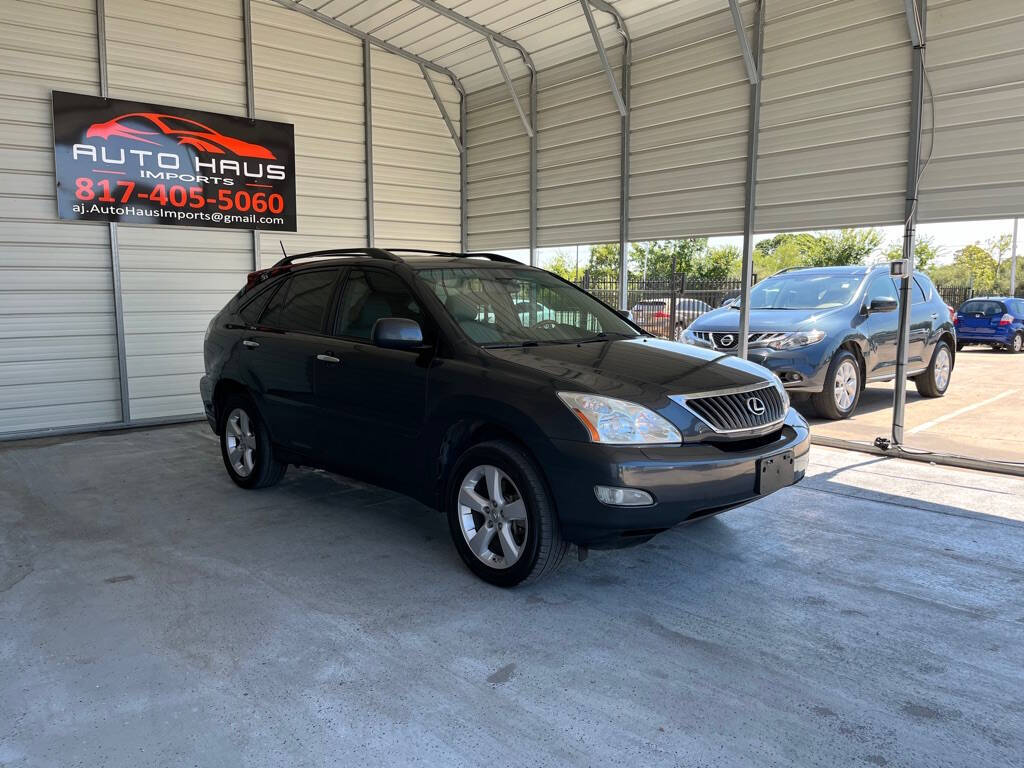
(845,385)
(240,440)
(492,516)
(1018,343)
(943,365)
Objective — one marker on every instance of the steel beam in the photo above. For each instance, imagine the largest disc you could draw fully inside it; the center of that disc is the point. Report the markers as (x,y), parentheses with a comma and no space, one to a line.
(250,102)
(909,228)
(511,87)
(478,28)
(463,177)
(750,200)
(533,169)
(115,254)
(441,108)
(1013,261)
(330,21)
(753,68)
(603,55)
(368,137)
(913,25)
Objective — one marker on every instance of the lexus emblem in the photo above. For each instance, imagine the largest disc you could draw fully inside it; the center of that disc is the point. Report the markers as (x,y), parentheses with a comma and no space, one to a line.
(756,406)
(727,340)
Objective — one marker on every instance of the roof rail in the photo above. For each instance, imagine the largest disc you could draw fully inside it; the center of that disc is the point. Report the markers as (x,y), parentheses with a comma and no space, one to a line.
(373,253)
(459,255)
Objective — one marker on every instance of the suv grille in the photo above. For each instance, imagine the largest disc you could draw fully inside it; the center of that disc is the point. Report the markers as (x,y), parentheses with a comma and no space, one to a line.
(753,410)
(727,341)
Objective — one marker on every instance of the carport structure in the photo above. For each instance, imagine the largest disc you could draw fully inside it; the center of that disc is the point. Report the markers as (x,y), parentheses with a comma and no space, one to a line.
(481,125)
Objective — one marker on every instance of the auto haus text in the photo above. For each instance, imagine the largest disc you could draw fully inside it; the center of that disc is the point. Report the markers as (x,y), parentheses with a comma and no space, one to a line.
(167,166)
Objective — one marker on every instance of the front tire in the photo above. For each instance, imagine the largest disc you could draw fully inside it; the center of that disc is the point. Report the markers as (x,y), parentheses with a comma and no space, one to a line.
(245,445)
(501,516)
(935,380)
(839,398)
(679,331)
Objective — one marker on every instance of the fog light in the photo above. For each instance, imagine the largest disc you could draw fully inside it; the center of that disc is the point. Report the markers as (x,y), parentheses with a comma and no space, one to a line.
(622,497)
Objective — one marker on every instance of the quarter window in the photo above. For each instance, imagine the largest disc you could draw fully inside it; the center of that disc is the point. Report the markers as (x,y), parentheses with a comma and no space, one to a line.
(301,303)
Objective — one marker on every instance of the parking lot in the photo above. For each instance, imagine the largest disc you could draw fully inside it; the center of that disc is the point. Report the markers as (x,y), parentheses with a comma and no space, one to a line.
(981,415)
(153,614)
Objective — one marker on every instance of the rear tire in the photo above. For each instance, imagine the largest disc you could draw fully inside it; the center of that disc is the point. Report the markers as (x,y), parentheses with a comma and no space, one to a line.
(501,516)
(839,398)
(935,380)
(1017,345)
(245,445)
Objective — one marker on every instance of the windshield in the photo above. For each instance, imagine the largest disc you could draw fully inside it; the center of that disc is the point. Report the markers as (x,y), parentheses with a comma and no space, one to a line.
(512,306)
(803,291)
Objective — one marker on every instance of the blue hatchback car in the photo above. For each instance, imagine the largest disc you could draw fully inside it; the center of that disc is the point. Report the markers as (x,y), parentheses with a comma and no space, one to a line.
(997,321)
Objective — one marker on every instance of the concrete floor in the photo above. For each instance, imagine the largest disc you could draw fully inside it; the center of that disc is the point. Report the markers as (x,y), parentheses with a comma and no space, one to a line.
(151,614)
(981,415)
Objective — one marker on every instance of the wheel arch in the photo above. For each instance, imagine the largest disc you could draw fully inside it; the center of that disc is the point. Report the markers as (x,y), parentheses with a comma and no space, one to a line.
(223,389)
(852,346)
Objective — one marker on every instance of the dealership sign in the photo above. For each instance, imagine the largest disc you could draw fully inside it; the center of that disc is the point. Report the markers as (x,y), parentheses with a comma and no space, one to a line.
(149,164)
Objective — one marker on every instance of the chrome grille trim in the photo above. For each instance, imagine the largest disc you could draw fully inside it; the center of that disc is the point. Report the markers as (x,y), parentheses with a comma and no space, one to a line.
(727,412)
(716,339)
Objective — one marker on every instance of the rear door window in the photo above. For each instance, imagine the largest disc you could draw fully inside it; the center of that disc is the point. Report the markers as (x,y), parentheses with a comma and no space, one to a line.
(251,309)
(301,303)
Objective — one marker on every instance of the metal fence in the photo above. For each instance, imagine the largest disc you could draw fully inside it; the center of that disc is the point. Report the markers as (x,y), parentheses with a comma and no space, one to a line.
(654,303)
(955,294)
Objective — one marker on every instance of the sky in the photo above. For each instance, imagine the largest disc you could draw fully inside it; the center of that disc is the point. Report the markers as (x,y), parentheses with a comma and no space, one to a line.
(948,236)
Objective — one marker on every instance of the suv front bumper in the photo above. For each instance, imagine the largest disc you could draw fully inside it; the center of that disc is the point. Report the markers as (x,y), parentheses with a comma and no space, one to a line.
(687,482)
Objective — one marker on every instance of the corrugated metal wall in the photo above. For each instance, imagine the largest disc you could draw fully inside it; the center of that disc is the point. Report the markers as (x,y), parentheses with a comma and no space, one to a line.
(976,65)
(498,169)
(834,116)
(175,278)
(415,162)
(690,115)
(58,349)
(311,75)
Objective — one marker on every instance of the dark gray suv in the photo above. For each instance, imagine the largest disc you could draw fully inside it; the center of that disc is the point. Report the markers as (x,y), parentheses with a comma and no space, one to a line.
(828,331)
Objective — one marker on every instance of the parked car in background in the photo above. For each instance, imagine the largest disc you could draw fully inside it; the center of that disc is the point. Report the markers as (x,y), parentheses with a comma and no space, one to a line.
(997,321)
(655,315)
(828,331)
(415,371)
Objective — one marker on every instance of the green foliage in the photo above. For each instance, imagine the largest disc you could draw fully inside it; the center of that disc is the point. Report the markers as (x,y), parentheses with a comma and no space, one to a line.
(563,264)
(655,258)
(925,252)
(815,249)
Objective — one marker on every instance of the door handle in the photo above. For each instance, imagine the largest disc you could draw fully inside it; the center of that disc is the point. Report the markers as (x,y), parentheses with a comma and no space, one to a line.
(328,359)
(250,343)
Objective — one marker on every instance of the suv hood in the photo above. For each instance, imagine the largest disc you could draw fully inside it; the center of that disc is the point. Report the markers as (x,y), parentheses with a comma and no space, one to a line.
(728,319)
(643,370)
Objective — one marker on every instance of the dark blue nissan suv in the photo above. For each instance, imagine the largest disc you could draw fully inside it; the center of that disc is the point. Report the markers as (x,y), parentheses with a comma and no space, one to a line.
(531,414)
(828,331)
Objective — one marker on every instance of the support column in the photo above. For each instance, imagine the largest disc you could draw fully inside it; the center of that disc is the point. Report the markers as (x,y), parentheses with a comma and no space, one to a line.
(910,215)
(115,257)
(750,201)
(533,167)
(368,138)
(624,149)
(463,176)
(250,102)
(1013,261)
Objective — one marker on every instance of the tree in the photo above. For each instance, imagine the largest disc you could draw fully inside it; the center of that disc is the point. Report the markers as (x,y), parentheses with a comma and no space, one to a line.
(776,254)
(971,264)
(604,262)
(563,264)
(655,258)
(723,261)
(925,252)
(837,249)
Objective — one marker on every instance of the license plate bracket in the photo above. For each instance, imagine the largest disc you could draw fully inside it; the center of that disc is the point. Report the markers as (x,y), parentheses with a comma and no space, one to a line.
(774,472)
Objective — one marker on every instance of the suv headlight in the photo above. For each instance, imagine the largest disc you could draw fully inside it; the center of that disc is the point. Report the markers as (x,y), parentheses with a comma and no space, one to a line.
(691,338)
(798,339)
(618,422)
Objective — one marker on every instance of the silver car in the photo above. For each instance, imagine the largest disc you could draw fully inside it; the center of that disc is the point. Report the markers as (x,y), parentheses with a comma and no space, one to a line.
(655,316)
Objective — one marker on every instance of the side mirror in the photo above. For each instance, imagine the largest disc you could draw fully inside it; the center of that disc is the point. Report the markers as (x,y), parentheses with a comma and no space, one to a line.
(396,333)
(883,304)
(625,313)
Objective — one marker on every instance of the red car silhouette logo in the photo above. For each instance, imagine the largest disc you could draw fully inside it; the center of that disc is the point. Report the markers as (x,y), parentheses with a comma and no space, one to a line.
(137,126)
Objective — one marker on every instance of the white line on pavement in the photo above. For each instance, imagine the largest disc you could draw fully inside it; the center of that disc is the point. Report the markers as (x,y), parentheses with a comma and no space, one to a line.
(954,414)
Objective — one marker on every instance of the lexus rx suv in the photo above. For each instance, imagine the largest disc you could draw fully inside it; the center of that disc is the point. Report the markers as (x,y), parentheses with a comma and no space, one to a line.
(826,332)
(531,414)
